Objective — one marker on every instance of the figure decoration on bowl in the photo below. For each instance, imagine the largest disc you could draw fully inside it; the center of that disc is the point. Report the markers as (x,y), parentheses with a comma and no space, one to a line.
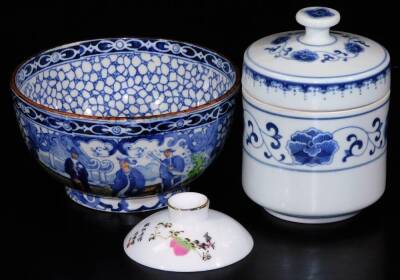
(125,122)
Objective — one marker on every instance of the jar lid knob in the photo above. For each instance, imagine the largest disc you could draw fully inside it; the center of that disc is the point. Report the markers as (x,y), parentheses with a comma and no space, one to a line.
(317,21)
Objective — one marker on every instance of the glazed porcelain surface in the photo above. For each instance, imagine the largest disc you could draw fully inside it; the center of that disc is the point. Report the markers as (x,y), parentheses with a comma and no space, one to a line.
(328,162)
(316,69)
(125,122)
(314,167)
(188,237)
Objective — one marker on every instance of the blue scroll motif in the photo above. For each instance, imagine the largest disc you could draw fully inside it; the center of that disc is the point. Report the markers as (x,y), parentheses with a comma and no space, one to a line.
(376,139)
(280,48)
(312,147)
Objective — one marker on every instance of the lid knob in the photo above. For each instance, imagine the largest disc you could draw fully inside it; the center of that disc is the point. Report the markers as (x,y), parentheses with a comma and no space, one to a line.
(188,207)
(317,21)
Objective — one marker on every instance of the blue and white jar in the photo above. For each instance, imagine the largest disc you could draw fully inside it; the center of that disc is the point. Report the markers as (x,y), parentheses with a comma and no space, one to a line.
(315,110)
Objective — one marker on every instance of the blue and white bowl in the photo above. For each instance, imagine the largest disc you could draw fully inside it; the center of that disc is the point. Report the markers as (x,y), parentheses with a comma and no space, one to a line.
(125,122)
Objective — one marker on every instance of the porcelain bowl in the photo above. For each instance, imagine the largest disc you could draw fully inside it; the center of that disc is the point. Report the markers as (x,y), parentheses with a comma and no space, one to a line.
(314,167)
(125,122)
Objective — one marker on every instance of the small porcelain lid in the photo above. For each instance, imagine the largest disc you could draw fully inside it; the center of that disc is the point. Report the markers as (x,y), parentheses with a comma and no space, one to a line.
(316,69)
(188,237)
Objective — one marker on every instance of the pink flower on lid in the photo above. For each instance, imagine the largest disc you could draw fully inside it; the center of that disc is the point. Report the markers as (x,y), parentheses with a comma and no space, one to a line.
(180,247)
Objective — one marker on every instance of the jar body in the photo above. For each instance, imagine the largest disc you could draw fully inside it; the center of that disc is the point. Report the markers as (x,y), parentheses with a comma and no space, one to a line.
(314,167)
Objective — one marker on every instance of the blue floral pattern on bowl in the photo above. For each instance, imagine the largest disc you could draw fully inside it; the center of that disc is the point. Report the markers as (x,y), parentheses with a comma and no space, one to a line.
(319,13)
(125,119)
(312,147)
(142,78)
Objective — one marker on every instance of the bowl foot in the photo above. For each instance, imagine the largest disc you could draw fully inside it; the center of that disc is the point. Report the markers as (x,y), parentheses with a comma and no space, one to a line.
(120,205)
(311,220)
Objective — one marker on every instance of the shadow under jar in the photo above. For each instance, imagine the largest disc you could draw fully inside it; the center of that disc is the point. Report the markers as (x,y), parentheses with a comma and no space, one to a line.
(315,114)
(125,122)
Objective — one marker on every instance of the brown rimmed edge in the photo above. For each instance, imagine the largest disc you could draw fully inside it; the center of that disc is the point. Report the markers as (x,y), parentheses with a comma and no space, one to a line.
(234,88)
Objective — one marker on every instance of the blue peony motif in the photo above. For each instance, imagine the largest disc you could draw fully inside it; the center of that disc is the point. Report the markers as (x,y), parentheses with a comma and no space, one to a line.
(305,55)
(280,40)
(312,147)
(319,13)
(353,48)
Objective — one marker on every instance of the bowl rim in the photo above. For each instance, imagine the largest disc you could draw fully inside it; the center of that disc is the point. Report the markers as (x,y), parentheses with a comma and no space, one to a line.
(229,93)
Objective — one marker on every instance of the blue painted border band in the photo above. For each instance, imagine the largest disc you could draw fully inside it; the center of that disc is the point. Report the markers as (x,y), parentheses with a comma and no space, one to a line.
(133,129)
(308,87)
(313,171)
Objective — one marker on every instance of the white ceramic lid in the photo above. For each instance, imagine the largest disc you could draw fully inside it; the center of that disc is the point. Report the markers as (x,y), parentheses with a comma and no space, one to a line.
(188,237)
(316,69)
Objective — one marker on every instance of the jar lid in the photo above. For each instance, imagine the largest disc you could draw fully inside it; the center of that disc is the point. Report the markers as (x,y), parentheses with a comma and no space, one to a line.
(316,69)
(188,237)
